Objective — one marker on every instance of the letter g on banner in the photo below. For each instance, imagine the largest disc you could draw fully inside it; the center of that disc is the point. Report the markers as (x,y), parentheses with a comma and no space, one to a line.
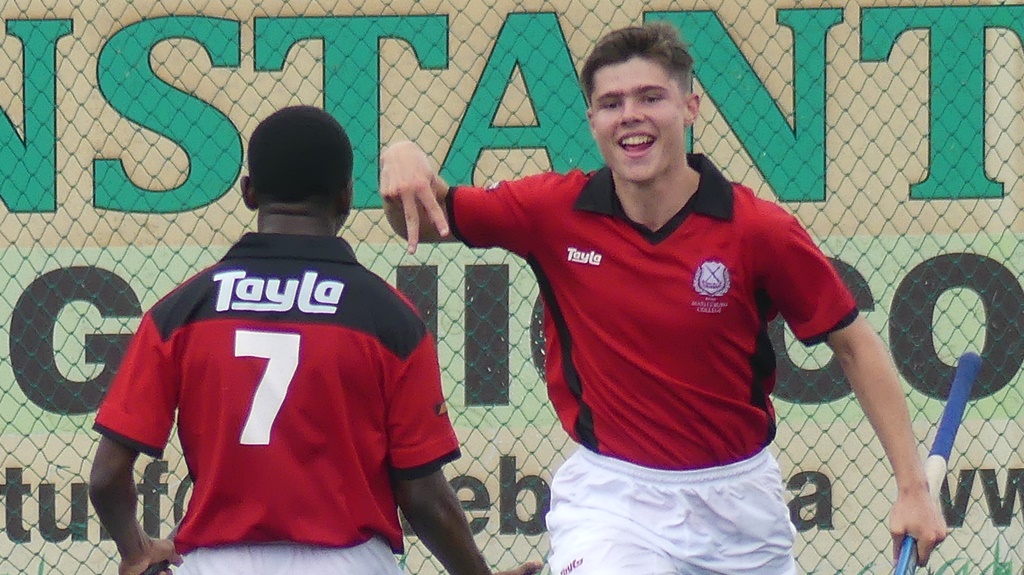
(32,336)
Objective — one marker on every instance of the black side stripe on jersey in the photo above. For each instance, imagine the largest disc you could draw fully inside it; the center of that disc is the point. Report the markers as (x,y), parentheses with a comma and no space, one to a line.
(128,442)
(426,469)
(585,418)
(762,364)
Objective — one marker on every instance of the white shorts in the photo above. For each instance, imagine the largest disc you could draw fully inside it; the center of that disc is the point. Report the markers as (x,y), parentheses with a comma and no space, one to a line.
(372,558)
(612,517)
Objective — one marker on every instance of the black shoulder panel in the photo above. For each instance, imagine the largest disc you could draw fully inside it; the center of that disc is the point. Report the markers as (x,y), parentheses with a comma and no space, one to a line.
(294,291)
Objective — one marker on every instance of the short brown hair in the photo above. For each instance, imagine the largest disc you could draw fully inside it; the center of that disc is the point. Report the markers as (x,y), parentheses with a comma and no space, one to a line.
(658,42)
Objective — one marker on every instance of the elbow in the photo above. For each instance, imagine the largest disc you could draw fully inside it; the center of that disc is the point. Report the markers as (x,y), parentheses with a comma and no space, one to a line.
(103,486)
(420,511)
(418,520)
(110,492)
(112,474)
(101,479)
(845,356)
(427,502)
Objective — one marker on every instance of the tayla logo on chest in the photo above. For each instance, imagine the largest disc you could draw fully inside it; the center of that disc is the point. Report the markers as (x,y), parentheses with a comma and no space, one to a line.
(577,256)
(238,291)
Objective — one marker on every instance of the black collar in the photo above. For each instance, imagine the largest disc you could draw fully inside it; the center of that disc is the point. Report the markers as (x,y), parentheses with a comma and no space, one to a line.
(713,197)
(288,246)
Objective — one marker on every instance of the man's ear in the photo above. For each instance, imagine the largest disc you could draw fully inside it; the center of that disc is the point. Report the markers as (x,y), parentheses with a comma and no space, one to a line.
(692,108)
(590,118)
(343,204)
(249,194)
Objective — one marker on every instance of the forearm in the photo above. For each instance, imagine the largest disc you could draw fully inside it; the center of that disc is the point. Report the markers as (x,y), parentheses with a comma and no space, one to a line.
(115,497)
(443,529)
(434,512)
(872,375)
(870,370)
(116,501)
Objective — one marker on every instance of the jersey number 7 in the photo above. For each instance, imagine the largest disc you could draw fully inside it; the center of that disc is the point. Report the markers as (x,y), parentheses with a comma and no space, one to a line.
(281,350)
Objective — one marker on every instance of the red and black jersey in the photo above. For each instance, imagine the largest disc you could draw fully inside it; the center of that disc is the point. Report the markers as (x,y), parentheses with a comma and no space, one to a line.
(657,348)
(303,383)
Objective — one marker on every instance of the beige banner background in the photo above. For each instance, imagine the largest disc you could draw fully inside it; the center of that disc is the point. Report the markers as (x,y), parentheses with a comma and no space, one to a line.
(876,143)
(877,140)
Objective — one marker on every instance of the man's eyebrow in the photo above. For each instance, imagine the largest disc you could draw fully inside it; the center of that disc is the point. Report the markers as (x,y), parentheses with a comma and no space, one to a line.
(637,90)
(651,87)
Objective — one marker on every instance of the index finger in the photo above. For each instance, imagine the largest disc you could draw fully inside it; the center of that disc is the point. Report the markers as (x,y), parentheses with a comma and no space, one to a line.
(925,546)
(412,224)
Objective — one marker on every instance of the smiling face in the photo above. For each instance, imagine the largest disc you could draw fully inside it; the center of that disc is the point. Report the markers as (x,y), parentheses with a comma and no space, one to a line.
(638,116)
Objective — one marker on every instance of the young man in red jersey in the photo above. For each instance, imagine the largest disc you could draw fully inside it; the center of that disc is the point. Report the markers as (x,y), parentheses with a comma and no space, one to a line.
(668,391)
(307,393)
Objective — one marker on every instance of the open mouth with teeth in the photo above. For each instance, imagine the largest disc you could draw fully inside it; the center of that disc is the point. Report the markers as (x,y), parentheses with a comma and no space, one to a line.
(636,143)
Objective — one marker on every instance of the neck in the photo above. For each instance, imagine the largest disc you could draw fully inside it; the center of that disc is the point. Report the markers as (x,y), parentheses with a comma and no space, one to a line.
(294,219)
(652,204)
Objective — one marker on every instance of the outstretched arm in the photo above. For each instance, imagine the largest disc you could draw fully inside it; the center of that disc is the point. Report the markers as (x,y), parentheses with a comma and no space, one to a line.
(433,511)
(115,497)
(872,375)
(413,194)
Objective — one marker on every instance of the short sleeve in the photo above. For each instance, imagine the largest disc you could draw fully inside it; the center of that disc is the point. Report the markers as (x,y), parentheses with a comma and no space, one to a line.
(802,282)
(138,409)
(420,434)
(506,215)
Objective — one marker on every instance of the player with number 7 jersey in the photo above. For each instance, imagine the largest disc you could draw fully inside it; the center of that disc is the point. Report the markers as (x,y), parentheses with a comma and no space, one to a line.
(305,388)
(270,400)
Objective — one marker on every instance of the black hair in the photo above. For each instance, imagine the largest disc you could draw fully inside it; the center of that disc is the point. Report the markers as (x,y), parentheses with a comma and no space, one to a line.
(300,154)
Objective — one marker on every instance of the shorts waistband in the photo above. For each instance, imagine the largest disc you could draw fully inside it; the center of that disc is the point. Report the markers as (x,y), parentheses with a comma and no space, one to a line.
(716,473)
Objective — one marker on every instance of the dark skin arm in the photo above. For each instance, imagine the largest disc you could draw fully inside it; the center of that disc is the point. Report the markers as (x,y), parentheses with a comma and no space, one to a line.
(114,495)
(434,512)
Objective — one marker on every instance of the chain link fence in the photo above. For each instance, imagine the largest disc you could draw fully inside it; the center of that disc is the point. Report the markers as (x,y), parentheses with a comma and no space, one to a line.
(893,130)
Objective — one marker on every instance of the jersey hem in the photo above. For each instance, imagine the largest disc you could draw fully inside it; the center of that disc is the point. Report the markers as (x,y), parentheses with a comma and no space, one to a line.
(820,338)
(127,441)
(426,469)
